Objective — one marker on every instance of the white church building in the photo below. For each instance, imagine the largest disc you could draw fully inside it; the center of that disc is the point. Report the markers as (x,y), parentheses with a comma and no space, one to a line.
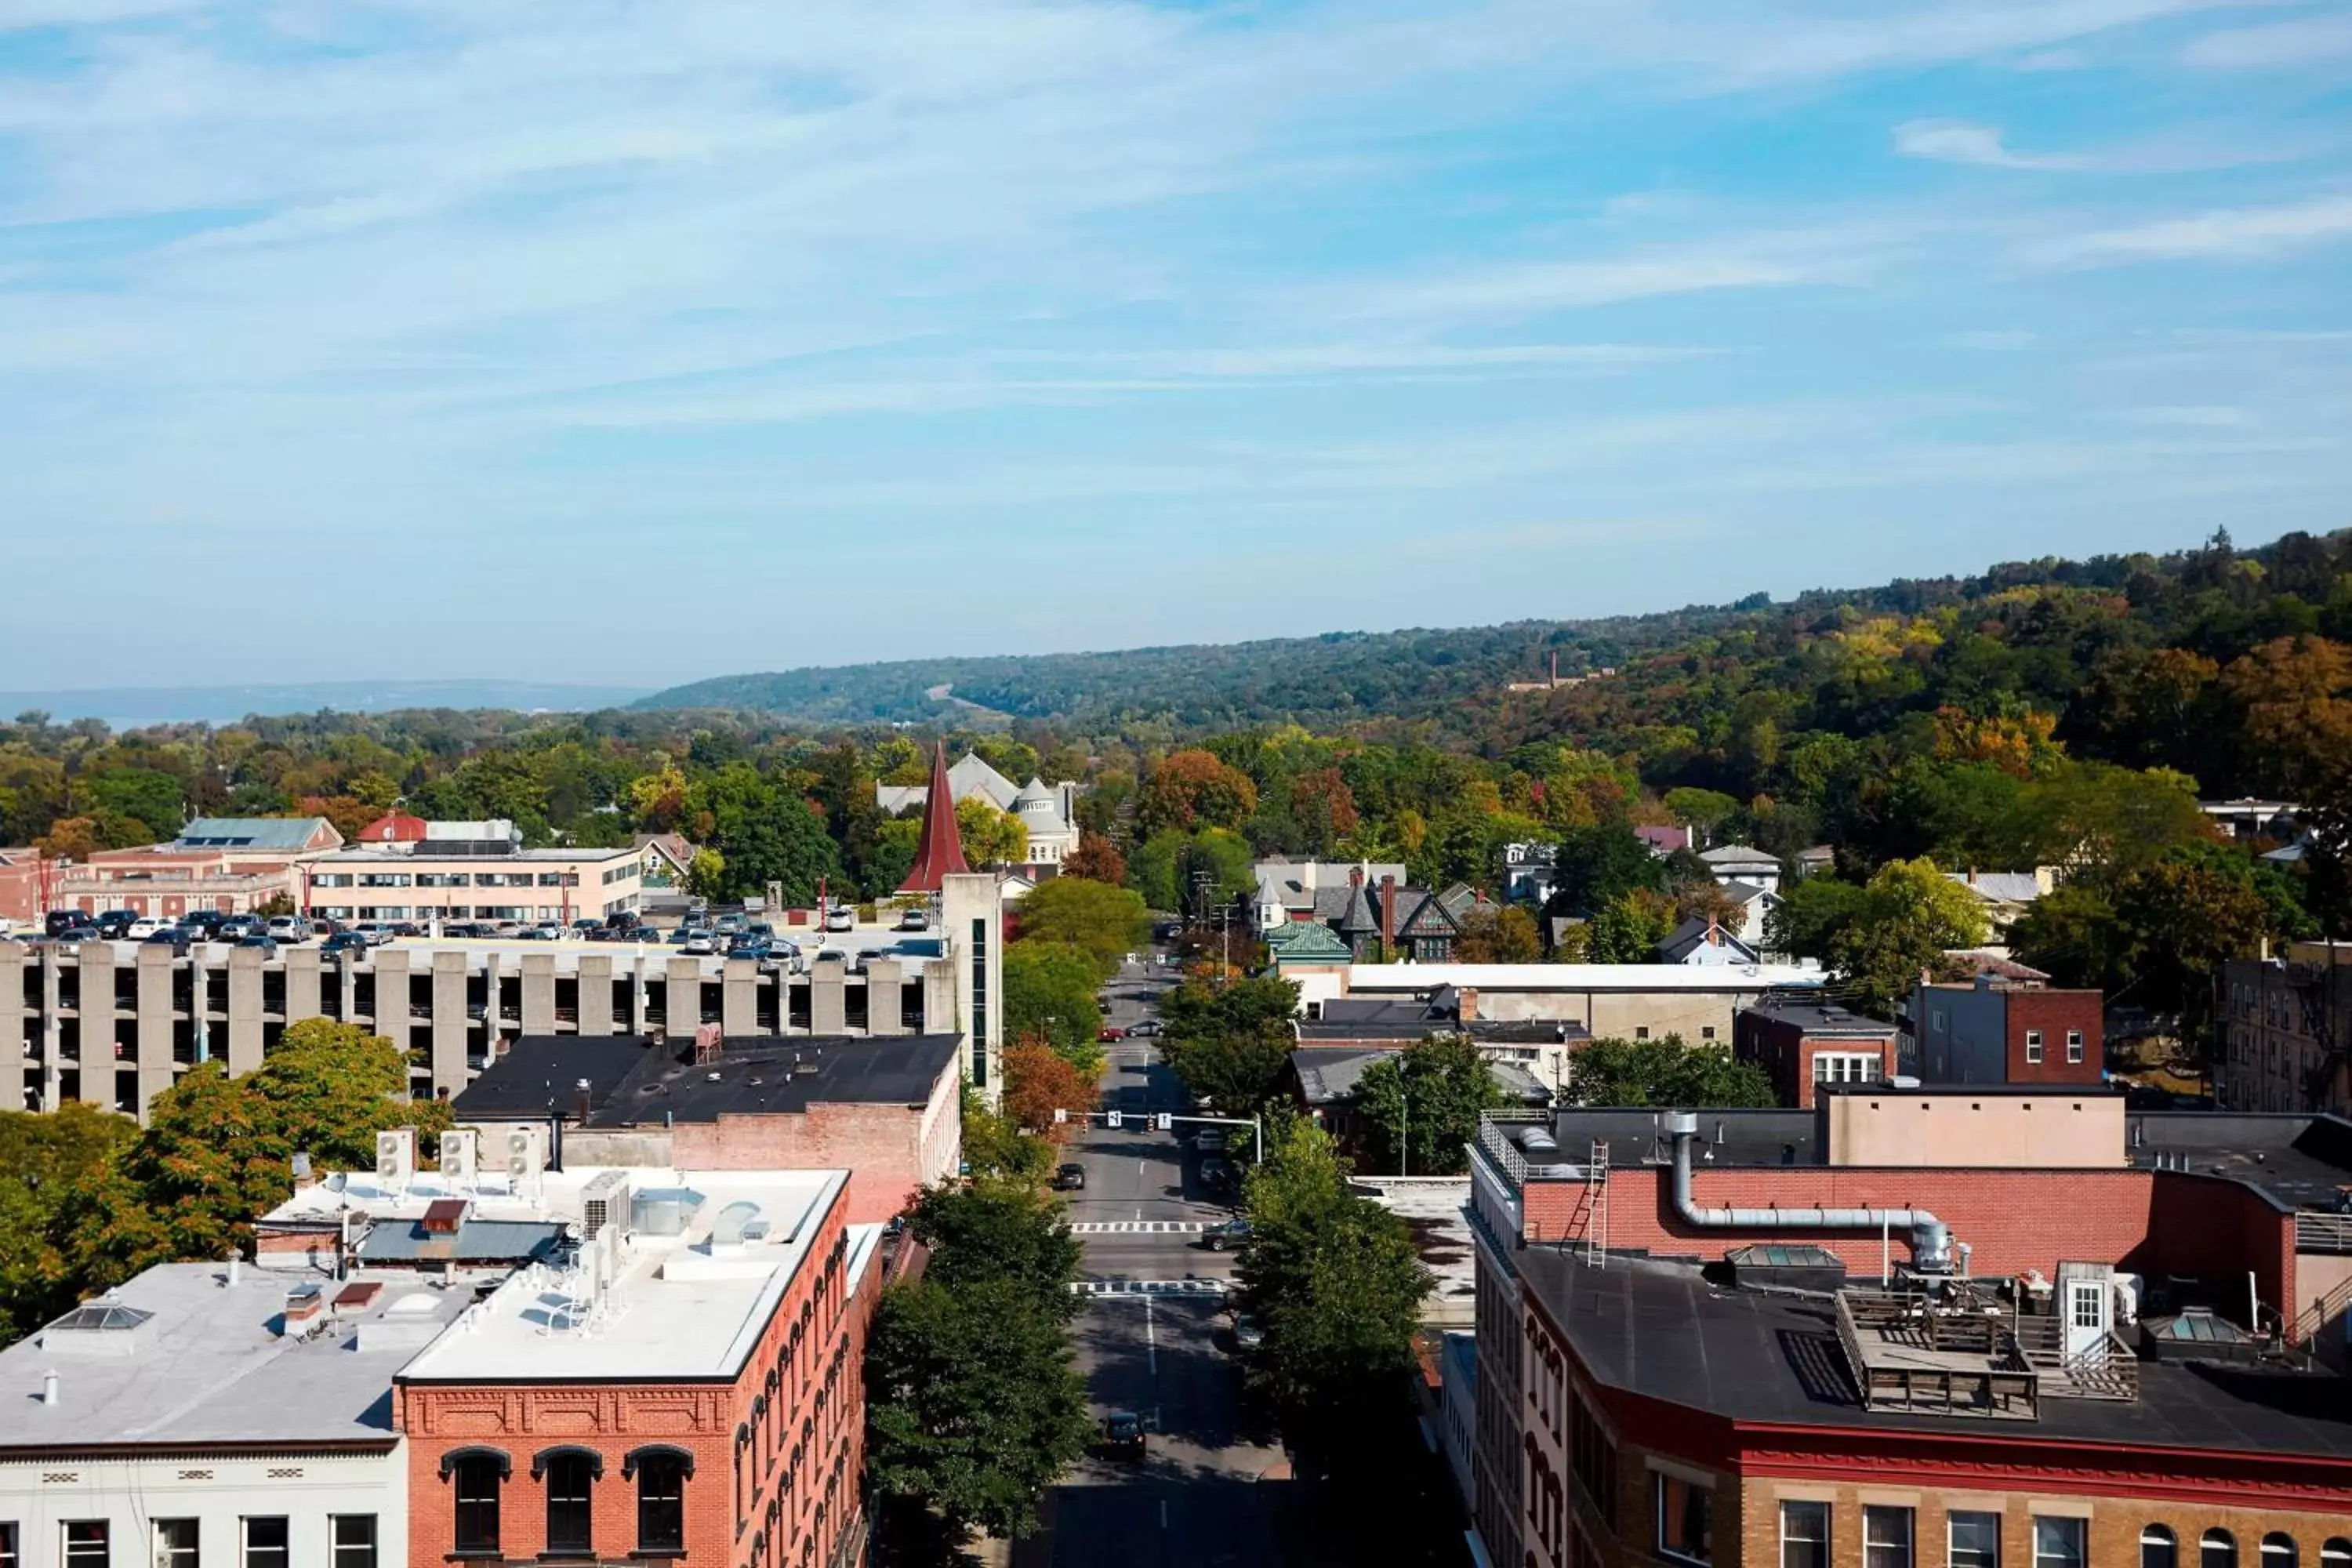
(1049,812)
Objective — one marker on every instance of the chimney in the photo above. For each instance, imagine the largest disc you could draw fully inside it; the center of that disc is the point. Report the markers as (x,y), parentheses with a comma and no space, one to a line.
(305,1177)
(50,1388)
(1714,933)
(235,1268)
(1388,916)
(584,1088)
(1555,667)
(1468,1004)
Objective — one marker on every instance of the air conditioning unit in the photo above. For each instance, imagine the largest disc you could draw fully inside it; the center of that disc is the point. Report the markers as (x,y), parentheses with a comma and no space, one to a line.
(525,1159)
(605,1202)
(461,1156)
(396,1156)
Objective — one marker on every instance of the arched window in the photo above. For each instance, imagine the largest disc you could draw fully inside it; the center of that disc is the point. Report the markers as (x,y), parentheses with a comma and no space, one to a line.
(2158,1547)
(2218,1550)
(661,1473)
(2278,1551)
(742,1443)
(475,1476)
(2336,1551)
(570,1475)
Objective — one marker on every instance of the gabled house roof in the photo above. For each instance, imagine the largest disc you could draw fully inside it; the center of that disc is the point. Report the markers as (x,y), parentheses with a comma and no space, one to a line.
(1693,933)
(1725,855)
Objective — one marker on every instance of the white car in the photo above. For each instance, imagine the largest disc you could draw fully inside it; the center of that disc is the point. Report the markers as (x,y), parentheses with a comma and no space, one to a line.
(840,919)
(141,929)
(378,934)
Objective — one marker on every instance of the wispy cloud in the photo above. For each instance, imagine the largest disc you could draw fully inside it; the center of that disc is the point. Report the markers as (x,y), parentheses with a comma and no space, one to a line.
(2306,41)
(2240,233)
(1957,141)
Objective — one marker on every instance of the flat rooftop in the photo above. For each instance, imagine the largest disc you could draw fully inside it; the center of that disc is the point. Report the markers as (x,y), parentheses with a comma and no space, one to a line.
(192,1360)
(688,1306)
(633,1082)
(1665,1332)
(1486,977)
(1817,1018)
(911,949)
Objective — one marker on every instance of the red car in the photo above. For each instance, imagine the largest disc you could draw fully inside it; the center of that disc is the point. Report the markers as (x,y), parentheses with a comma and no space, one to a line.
(1111,1032)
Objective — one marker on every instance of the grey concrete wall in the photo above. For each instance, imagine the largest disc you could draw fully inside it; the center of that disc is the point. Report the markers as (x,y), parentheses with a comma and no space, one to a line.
(539,993)
(449,1020)
(883,978)
(595,994)
(155,1025)
(13,1016)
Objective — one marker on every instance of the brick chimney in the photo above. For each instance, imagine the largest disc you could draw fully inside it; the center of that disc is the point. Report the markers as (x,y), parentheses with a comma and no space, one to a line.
(1467,1010)
(1388,916)
(1714,933)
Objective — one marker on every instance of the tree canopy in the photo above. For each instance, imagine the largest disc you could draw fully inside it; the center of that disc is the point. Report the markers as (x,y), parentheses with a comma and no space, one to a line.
(1431,1092)
(1664,1072)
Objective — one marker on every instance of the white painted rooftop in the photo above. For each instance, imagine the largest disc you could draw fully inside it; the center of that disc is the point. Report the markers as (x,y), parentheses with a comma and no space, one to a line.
(1370,978)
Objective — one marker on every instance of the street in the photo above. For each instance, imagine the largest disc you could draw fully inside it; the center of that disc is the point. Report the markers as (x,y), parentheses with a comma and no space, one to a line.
(1160,1345)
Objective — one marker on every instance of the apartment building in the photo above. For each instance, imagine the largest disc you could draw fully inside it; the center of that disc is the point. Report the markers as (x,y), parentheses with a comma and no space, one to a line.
(2212,1246)
(1802,1045)
(1993,1031)
(404,869)
(2285,1025)
(115,1023)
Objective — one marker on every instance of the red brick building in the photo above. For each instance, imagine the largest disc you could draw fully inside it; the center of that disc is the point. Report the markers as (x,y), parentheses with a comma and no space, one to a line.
(1619,1230)
(1993,1031)
(688,1398)
(21,885)
(1802,1044)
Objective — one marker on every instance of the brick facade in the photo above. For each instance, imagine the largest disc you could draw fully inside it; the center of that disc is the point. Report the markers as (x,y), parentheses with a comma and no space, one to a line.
(891,1152)
(2058,1018)
(776,1449)
(1785,1051)
(2143,1221)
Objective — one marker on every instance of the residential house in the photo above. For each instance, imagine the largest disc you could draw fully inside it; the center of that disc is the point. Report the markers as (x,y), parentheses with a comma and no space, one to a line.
(2006,895)
(1988,1031)
(664,860)
(1706,940)
(1314,890)
(1732,863)
(1665,839)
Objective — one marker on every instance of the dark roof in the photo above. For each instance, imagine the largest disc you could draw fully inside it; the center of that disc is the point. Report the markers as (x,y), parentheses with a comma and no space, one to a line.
(2301,1161)
(1414,1017)
(1664,1333)
(1687,937)
(462,848)
(1820,1018)
(475,1241)
(1735,1137)
(753,1074)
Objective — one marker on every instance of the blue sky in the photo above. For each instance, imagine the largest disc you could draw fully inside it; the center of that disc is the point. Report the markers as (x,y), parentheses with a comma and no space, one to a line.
(642,342)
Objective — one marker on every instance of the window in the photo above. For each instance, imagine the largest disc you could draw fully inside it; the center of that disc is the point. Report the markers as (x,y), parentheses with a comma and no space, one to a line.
(175,1543)
(1707,1032)
(2059,1543)
(2033,1045)
(1682,1523)
(2278,1551)
(570,1474)
(477,1476)
(2158,1547)
(1642,1032)
(661,1497)
(1975,1540)
(2336,1553)
(1845,1067)
(350,1536)
(1887,1538)
(1805,1535)
(2074,1045)
(85,1544)
(2218,1550)
(11,1551)
(266,1544)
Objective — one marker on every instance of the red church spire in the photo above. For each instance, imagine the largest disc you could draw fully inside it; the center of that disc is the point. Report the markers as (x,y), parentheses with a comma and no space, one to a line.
(941,849)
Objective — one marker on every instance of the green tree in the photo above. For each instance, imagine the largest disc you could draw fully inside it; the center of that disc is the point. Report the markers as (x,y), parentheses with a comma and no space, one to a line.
(972,1405)
(1665,1072)
(1151,870)
(995,1148)
(1432,1092)
(48,1162)
(1213,867)
(1103,923)
(1911,915)
(706,874)
(1701,810)
(218,1151)
(152,798)
(993,1229)
(990,837)
(1629,928)
(1049,994)
(1230,1042)
(1811,914)
(763,833)
(1333,1279)
(1598,865)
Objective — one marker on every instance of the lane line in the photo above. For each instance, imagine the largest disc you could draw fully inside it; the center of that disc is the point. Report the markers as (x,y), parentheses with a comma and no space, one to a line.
(1163,1513)
(1150,1339)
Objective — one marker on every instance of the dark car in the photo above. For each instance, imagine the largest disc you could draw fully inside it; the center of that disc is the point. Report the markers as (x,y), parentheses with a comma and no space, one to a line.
(1216,1173)
(746,946)
(1231,1236)
(345,942)
(81,934)
(205,921)
(1122,1434)
(173,937)
(114,923)
(1070,1178)
(266,943)
(59,922)
(404,928)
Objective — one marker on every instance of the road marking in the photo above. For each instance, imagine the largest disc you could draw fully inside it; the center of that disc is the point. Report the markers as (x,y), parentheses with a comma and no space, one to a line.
(1143,1289)
(1150,1342)
(1163,1513)
(1122,1227)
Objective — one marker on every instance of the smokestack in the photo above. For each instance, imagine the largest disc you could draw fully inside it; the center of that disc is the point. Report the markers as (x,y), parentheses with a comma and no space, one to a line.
(235,1268)
(1388,916)
(584,1086)
(50,1388)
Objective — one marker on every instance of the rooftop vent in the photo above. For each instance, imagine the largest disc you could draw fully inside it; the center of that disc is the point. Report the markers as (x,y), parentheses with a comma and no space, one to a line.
(444,1216)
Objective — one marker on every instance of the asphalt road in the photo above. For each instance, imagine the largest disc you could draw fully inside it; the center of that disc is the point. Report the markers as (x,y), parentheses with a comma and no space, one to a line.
(1161,1347)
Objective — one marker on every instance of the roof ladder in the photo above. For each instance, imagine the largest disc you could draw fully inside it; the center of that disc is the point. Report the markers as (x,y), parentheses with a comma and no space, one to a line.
(1596,1225)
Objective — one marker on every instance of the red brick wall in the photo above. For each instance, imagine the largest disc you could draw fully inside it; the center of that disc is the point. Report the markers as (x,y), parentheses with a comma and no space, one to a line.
(819,1387)
(1785,1051)
(2054,1012)
(889,1151)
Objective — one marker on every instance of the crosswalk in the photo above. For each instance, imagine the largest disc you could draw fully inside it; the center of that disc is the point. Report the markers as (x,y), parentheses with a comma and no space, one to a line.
(1120,1289)
(1138,1226)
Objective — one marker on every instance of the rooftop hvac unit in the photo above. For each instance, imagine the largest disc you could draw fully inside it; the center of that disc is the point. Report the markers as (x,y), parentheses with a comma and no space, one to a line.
(524,1161)
(396,1156)
(461,1156)
(605,1202)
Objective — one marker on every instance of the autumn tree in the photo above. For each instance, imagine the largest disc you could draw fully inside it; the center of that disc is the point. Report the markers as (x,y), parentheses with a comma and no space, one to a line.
(2295,711)
(1040,1080)
(1323,809)
(1097,860)
(1505,936)
(1193,789)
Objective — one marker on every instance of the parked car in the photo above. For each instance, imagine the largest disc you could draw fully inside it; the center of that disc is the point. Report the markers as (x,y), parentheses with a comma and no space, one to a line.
(729,924)
(1248,1333)
(146,926)
(289,927)
(841,918)
(1070,1178)
(699,944)
(404,928)
(1122,1434)
(238,927)
(114,923)
(57,922)
(174,937)
(262,940)
(345,942)
(375,934)
(80,933)
(205,923)
(586,923)
(1147,1028)
(914,920)
(1230,1236)
(743,945)
(1111,1032)
(1210,1140)
(1216,1173)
